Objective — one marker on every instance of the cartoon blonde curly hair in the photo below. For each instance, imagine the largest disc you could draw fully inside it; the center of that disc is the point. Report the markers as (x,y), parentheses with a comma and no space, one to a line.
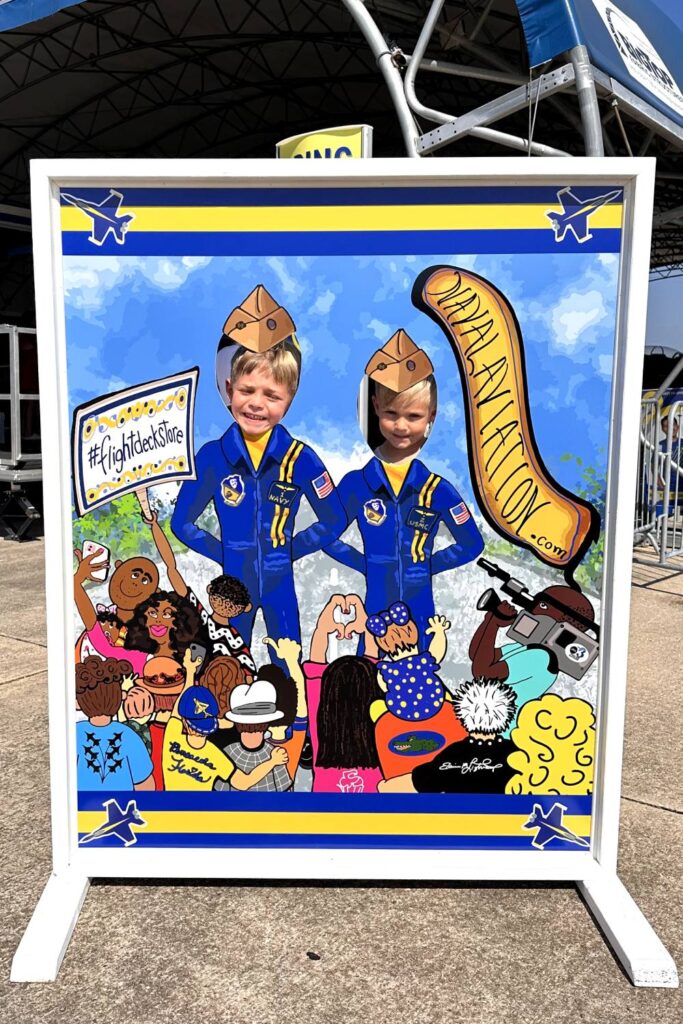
(555,740)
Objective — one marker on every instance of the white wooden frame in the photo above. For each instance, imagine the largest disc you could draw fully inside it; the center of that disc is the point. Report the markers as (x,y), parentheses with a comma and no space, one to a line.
(44,943)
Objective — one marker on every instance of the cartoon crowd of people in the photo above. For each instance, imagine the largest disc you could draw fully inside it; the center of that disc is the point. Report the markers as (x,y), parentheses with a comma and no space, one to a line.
(172,694)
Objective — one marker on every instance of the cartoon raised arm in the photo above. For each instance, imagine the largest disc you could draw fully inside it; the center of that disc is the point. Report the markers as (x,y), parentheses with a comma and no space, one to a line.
(191,666)
(289,651)
(84,571)
(166,554)
(486,658)
(437,629)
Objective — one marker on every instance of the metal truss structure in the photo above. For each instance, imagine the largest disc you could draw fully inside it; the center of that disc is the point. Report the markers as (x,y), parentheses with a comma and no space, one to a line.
(165,78)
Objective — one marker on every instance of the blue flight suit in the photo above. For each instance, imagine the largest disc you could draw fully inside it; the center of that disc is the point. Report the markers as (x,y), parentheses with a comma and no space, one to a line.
(256,510)
(398,536)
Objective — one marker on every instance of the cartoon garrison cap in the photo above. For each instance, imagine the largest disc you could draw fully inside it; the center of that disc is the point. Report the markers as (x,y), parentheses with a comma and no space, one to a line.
(258,323)
(399,364)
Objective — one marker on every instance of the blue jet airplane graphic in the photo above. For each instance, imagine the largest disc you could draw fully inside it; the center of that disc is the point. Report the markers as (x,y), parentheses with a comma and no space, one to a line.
(119,823)
(105,216)
(575,213)
(550,827)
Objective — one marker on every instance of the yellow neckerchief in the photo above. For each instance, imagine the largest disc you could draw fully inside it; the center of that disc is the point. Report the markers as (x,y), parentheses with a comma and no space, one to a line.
(256,447)
(396,473)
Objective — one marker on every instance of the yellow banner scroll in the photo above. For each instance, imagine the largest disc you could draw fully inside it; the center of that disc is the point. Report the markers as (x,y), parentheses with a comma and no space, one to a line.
(516,493)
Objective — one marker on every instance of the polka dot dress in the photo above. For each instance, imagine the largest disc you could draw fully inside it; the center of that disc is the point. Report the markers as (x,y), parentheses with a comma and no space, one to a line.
(414,690)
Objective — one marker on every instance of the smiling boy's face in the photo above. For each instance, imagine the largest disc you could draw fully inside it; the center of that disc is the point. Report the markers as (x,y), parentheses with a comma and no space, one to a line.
(257,401)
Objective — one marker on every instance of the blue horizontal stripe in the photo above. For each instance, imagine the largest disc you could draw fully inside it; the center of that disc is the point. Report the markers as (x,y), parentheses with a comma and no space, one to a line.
(171,840)
(349,195)
(370,803)
(336,243)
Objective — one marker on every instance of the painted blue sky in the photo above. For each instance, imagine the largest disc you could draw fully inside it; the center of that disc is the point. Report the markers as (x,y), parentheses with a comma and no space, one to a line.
(132,319)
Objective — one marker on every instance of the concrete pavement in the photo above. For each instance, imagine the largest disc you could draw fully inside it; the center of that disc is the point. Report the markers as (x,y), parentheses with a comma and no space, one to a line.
(474,953)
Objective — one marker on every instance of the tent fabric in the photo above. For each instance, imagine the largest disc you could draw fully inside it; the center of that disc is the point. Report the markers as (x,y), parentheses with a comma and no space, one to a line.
(14,13)
(632,41)
(550,28)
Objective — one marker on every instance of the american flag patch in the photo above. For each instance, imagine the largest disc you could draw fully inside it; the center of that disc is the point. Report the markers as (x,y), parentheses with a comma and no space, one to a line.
(322,485)
(460,513)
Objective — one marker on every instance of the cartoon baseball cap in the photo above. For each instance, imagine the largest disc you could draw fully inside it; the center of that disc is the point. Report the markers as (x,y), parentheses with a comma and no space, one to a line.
(399,364)
(199,708)
(259,323)
(255,702)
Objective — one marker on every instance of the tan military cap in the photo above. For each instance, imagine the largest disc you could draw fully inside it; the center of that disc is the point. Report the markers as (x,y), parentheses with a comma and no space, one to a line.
(259,323)
(399,363)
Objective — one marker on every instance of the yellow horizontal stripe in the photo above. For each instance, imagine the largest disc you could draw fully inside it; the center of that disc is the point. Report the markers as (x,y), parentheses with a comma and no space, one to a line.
(341,218)
(326,823)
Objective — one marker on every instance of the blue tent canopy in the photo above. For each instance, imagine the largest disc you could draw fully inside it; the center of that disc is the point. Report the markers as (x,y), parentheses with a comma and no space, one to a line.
(638,43)
(14,13)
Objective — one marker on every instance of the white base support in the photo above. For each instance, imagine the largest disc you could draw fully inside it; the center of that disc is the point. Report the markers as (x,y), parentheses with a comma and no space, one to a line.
(42,948)
(628,931)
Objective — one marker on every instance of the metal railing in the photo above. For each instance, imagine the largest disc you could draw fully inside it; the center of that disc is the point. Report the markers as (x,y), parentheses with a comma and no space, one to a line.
(659,500)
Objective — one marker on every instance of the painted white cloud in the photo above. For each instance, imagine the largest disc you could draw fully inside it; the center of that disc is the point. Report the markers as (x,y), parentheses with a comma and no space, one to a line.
(290,286)
(323,304)
(90,280)
(379,329)
(574,314)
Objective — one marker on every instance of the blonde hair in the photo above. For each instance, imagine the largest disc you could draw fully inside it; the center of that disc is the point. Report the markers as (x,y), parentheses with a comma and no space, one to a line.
(401,400)
(555,740)
(280,361)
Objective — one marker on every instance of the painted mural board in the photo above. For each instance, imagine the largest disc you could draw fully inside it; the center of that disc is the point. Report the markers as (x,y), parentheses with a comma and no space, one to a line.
(364,626)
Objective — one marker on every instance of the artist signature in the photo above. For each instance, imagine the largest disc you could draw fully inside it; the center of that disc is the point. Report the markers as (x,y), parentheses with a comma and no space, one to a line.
(475,765)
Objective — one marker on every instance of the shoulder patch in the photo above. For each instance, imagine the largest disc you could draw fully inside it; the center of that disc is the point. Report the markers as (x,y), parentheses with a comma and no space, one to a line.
(233,490)
(460,513)
(322,485)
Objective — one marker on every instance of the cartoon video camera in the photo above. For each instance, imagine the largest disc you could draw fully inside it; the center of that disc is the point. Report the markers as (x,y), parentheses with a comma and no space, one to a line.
(574,649)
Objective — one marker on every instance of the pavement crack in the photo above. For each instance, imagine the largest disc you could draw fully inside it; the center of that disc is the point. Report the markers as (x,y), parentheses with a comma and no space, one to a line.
(23,675)
(657,807)
(23,640)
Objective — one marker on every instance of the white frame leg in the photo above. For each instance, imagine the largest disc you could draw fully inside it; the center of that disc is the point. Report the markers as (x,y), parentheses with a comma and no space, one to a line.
(42,948)
(628,931)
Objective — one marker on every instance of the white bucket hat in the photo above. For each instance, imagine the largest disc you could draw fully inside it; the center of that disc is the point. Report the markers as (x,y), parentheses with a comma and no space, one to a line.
(255,702)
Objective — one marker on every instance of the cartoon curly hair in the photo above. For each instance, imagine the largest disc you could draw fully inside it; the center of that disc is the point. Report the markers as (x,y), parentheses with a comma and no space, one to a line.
(98,685)
(555,737)
(187,626)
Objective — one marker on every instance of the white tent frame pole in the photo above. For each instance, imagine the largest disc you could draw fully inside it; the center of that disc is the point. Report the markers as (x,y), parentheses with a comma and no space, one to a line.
(439,117)
(588,101)
(392,75)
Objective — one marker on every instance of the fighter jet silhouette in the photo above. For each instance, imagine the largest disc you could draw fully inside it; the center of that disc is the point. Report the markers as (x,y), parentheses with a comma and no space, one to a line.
(119,823)
(550,827)
(105,216)
(575,213)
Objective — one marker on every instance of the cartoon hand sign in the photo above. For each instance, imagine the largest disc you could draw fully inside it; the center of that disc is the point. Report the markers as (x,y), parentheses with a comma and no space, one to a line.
(356,624)
(286,649)
(279,756)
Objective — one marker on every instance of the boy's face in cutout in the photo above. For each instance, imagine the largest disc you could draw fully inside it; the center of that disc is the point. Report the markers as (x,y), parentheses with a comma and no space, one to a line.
(257,401)
(403,427)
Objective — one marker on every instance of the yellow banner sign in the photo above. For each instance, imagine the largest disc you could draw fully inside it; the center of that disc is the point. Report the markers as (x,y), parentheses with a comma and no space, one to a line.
(516,493)
(350,140)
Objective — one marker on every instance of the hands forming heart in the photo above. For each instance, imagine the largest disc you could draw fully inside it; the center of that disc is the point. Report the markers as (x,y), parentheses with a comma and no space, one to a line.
(348,617)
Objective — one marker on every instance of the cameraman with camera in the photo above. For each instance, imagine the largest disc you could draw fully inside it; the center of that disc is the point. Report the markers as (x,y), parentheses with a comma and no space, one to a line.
(550,632)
